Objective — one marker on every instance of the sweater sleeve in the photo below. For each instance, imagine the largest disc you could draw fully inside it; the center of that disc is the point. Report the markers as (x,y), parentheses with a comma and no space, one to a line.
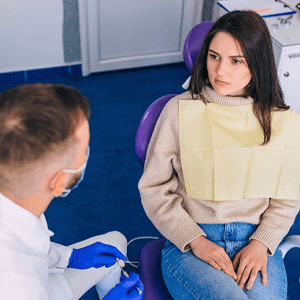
(159,183)
(275,223)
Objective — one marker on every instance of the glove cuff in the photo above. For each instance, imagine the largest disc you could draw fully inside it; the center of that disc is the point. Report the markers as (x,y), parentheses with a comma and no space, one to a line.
(72,259)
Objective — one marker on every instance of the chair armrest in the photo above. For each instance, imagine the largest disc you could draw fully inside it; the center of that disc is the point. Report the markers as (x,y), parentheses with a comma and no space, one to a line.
(289,243)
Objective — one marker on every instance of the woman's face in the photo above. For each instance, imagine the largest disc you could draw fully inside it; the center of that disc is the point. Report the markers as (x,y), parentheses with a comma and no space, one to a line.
(227,68)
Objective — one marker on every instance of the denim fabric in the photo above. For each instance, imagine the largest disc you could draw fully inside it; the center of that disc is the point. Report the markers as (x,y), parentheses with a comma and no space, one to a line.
(188,277)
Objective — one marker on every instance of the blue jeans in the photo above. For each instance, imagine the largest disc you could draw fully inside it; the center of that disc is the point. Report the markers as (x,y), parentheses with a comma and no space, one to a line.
(188,277)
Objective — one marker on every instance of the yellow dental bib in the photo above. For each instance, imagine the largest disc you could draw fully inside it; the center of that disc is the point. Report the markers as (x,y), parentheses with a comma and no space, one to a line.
(222,157)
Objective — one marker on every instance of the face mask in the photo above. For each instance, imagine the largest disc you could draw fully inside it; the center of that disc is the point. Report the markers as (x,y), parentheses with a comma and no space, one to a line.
(66,192)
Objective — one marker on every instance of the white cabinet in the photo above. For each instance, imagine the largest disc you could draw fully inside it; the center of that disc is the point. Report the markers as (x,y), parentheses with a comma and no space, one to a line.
(289,74)
(286,47)
(118,34)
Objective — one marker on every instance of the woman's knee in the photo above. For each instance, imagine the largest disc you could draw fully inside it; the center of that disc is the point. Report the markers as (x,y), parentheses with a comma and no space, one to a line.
(276,287)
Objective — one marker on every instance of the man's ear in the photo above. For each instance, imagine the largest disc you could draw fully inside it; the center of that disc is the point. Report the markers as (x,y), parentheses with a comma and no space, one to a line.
(59,184)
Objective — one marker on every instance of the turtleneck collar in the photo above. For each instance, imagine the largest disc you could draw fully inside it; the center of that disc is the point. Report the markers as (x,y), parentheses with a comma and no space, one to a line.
(211,96)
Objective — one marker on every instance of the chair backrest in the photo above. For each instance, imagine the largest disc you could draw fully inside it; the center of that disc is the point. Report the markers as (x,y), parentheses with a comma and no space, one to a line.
(193,43)
(192,46)
(147,125)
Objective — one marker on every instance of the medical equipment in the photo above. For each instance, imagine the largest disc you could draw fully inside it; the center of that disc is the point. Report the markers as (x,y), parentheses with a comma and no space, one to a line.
(121,264)
(281,21)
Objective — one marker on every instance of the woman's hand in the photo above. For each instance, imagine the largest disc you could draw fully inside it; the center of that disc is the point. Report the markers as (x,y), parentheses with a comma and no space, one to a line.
(213,255)
(249,261)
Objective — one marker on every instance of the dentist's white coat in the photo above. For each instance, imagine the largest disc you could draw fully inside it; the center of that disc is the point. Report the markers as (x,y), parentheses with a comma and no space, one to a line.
(31,267)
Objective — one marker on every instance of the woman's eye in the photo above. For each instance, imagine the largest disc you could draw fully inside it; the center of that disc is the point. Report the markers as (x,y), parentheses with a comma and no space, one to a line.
(212,56)
(236,61)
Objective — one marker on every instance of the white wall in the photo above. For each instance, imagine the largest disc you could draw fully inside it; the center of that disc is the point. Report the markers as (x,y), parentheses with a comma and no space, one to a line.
(31,34)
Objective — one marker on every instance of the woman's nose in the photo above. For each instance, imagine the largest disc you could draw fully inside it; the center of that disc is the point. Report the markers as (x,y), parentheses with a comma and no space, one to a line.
(222,68)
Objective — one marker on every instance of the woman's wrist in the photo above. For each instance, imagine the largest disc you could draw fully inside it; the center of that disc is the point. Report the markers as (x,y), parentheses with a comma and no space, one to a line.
(257,243)
(196,241)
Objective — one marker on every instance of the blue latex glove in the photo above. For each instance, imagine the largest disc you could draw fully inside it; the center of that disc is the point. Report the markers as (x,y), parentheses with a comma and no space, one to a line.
(96,255)
(126,289)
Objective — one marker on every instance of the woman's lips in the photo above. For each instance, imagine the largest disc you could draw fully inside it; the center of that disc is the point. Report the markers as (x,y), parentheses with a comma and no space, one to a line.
(221,83)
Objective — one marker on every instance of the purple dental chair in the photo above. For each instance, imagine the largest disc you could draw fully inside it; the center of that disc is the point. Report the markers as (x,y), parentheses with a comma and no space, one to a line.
(150,255)
(192,46)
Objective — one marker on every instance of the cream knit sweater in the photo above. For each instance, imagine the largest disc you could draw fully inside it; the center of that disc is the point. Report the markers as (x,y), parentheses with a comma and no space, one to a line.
(175,215)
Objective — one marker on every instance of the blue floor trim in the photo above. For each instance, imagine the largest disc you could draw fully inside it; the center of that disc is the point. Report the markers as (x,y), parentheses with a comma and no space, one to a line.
(30,76)
(13,77)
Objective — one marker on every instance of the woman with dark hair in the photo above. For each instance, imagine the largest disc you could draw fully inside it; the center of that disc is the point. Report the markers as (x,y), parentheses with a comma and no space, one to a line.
(221,177)
(252,34)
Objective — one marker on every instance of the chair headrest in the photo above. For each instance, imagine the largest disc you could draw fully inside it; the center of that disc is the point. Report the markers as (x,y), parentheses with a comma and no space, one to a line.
(193,43)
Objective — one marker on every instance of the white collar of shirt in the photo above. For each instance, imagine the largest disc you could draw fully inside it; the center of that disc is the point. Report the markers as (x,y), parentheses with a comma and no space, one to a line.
(31,230)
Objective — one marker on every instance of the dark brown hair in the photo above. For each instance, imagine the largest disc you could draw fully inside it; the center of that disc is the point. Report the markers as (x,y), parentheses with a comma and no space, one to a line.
(36,119)
(252,33)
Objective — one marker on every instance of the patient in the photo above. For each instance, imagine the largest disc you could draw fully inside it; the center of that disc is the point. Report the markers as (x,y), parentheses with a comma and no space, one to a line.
(221,177)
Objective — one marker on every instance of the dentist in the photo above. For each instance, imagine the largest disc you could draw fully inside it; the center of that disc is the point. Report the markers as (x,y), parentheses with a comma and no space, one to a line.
(44,149)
